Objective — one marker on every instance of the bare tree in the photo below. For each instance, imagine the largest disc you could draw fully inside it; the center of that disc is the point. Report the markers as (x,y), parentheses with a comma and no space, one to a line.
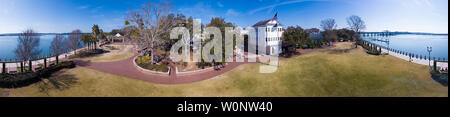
(28,45)
(329,33)
(57,46)
(152,23)
(328,24)
(74,40)
(356,23)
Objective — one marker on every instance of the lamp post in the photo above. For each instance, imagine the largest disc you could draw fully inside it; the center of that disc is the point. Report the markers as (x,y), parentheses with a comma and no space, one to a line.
(429,49)
(388,41)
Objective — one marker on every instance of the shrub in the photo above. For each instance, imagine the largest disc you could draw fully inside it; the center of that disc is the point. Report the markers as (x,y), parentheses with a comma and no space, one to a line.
(73,56)
(155,67)
(144,59)
(374,52)
(27,78)
(83,54)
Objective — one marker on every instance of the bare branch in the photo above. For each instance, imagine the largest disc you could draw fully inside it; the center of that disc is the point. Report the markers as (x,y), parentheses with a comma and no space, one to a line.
(328,24)
(356,23)
(28,45)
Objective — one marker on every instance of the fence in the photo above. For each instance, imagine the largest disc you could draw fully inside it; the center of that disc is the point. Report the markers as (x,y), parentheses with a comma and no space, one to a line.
(14,65)
(408,56)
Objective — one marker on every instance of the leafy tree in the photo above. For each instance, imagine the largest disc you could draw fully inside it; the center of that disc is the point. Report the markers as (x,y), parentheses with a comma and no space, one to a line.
(221,24)
(96,33)
(115,31)
(88,40)
(298,37)
(330,36)
(346,34)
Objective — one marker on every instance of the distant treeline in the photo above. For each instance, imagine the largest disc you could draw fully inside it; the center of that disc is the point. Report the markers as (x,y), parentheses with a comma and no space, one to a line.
(412,33)
(17,34)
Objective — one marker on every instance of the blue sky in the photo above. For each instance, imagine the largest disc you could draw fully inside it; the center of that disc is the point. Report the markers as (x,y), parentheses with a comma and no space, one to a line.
(379,15)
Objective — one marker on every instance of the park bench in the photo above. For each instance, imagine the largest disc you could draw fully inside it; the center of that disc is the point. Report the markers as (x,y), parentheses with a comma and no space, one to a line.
(12,72)
(38,69)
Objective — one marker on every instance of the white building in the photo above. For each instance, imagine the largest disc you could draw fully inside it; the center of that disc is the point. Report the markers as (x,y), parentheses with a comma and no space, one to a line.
(267,34)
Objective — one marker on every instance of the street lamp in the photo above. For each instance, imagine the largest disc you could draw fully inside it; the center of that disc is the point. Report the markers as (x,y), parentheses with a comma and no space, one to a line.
(429,49)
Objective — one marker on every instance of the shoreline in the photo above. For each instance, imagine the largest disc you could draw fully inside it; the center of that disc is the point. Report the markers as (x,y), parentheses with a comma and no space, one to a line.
(414,60)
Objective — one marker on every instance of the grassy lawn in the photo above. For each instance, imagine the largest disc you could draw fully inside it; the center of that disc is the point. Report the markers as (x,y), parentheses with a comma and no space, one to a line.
(116,53)
(330,72)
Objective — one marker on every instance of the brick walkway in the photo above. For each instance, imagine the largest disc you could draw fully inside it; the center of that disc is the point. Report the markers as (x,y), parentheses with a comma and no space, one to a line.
(126,68)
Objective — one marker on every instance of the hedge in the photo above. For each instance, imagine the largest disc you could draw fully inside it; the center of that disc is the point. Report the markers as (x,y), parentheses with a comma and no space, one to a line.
(88,53)
(27,78)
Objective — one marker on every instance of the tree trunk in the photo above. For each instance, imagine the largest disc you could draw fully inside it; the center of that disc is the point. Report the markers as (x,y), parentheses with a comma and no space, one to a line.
(151,52)
(4,68)
(21,66)
(45,62)
(30,66)
(57,60)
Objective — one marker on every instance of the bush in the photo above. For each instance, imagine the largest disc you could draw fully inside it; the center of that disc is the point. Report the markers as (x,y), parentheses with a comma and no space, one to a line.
(155,67)
(441,78)
(27,78)
(374,52)
(73,56)
(144,59)
(89,53)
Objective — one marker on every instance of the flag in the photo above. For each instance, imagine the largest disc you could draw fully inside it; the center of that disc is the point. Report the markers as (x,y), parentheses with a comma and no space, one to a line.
(275,17)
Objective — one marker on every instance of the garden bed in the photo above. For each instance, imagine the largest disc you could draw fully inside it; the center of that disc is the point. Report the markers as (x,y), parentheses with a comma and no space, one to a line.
(144,64)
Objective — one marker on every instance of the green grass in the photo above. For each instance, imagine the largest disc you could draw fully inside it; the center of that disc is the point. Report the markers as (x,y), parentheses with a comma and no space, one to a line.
(323,73)
(116,53)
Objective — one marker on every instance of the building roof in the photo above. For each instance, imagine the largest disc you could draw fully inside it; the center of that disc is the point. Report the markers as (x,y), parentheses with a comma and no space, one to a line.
(266,22)
(118,35)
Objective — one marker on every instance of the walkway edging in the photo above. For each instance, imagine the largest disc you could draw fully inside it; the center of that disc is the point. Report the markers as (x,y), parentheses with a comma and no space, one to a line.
(149,71)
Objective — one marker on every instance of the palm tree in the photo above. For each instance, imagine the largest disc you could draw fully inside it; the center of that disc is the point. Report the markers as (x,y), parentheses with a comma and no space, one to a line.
(95,33)
(86,40)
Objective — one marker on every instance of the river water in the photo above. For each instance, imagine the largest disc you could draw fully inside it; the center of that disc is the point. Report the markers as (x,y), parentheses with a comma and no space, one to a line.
(416,44)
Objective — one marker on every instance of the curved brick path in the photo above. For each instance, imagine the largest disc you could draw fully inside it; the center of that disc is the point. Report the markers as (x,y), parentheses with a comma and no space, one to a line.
(126,68)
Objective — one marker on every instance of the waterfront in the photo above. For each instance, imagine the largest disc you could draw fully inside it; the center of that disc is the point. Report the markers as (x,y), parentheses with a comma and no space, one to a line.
(416,44)
(9,43)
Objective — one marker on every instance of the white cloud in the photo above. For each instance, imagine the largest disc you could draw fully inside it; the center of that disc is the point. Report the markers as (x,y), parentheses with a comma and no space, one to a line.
(220,4)
(96,9)
(200,10)
(271,7)
(83,7)
(231,12)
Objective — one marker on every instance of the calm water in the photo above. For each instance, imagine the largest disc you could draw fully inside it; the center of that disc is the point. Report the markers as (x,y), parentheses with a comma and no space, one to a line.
(416,44)
(9,43)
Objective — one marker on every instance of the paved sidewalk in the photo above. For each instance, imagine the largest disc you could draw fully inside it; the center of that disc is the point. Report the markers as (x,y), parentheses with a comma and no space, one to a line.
(126,68)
